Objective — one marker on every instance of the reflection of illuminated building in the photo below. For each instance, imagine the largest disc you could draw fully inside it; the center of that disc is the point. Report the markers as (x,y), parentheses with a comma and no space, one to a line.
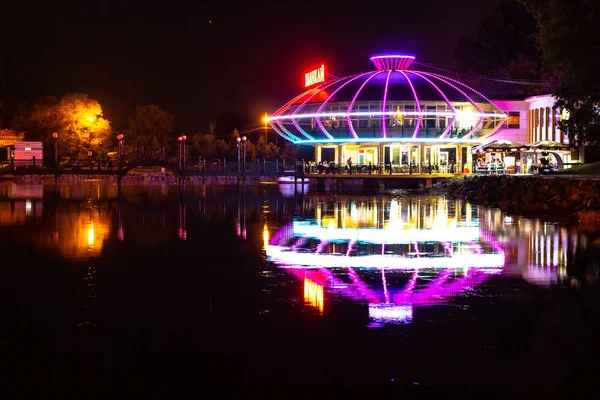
(536,250)
(19,211)
(393,254)
(313,294)
(24,202)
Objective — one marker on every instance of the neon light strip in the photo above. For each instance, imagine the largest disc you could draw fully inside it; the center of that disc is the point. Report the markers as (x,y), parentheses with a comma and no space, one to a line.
(387,82)
(418,124)
(318,120)
(348,112)
(310,98)
(379,113)
(388,236)
(282,255)
(392,62)
(470,88)
(476,127)
(286,107)
(392,140)
(451,124)
(393,56)
(293,138)
(280,125)
(281,109)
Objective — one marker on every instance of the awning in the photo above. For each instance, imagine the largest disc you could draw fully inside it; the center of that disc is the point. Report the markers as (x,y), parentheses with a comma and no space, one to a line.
(548,145)
(501,145)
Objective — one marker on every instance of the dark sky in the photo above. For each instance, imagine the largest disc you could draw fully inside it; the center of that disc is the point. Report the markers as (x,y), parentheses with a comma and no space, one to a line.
(200,60)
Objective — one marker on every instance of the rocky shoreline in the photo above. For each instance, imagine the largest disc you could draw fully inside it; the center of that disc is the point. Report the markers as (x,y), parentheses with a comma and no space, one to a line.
(573,198)
(137,178)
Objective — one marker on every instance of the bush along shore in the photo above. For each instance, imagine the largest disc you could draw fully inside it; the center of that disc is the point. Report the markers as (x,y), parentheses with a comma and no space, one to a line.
(576,199)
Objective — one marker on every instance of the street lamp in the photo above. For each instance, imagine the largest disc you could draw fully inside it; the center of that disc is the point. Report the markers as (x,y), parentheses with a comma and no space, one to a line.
(238,140)
(244,138)
(119,148)
(181,140)
(55,137)
(265,121)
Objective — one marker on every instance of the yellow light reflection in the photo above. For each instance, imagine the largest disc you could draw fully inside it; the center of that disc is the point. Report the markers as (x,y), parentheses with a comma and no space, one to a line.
(313,294)
(265,235)
(90,234)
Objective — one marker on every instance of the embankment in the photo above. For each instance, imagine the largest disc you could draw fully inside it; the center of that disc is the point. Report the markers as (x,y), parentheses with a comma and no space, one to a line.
(546,197)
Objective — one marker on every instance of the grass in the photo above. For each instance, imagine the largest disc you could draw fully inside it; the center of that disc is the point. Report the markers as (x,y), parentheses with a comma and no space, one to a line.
(585,169)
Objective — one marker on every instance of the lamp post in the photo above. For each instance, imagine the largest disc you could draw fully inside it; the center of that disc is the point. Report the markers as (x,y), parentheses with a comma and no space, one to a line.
(265,121)
(238,140)
(119,149)
(181,140)
(55,137)
(244,138)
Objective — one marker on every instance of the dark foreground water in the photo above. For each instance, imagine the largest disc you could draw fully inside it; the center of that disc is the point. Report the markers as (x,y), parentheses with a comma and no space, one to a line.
(259,286)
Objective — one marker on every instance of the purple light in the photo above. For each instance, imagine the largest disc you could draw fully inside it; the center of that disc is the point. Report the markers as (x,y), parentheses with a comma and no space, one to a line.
(451,124)
(317,120)
(323,87)
(387,82)
(392,62)
(349,121)
(418,124)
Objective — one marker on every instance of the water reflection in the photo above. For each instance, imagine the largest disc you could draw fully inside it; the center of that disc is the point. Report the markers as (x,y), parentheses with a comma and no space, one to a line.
(396,255)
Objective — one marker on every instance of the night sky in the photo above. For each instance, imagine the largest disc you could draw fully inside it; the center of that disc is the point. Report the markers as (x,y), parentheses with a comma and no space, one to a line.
(200,60)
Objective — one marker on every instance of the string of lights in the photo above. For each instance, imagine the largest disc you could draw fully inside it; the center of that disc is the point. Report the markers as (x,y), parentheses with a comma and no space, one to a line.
(527,82)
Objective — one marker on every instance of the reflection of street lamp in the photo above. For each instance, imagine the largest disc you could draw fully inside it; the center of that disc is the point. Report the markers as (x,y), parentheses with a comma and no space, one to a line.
(55,137)
(120,147)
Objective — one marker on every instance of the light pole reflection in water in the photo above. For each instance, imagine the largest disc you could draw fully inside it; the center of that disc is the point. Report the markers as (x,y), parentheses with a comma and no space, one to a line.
(182,231)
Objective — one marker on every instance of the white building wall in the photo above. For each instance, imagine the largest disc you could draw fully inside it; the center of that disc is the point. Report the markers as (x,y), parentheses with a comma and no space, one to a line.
(516,135)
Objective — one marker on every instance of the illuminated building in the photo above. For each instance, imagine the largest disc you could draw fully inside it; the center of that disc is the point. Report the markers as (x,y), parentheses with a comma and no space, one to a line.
(403,116)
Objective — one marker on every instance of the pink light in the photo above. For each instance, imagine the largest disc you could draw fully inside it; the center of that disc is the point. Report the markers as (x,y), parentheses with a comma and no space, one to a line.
(318,121)
(387,82)
(321,88)
(349,121)
(451,124)
(419,119)
(392,62)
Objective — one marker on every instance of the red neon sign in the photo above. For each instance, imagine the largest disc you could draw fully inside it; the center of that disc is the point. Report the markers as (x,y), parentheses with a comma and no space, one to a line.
(315,76)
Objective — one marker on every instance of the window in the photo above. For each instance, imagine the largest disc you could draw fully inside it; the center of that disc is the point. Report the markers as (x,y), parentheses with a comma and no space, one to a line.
(514,119)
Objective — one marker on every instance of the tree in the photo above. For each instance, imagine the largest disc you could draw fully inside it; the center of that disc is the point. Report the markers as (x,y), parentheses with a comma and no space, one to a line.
(151,127)
(265,150)
(504,35)
(569,43)
(75,117)
(204,144)
(504,46)
(83,129)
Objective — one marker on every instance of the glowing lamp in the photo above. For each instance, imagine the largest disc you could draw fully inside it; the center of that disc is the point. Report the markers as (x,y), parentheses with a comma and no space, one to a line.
(238,140)
(244,138)
(55,135)
(120,136)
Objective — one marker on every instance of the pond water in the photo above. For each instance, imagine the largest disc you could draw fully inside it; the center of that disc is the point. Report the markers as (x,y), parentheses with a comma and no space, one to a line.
(256,285)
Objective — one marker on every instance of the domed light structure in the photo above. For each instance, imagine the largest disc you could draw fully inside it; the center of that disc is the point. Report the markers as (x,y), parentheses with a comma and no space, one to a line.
(389,104)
